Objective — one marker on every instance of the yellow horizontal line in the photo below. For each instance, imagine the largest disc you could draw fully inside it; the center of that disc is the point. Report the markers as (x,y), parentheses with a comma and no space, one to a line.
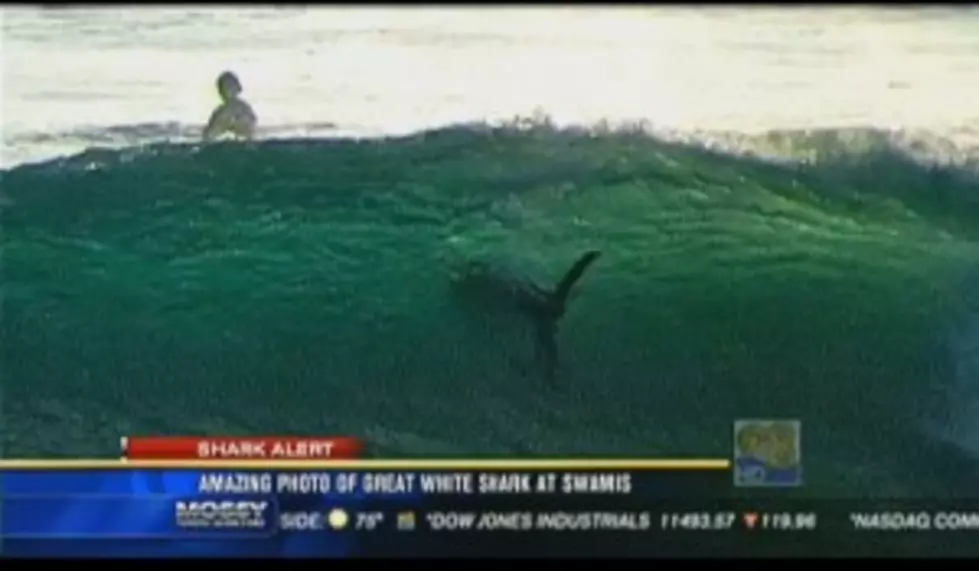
(562,464)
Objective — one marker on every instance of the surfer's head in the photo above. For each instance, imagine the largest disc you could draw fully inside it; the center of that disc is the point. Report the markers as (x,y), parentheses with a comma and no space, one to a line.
(228,86)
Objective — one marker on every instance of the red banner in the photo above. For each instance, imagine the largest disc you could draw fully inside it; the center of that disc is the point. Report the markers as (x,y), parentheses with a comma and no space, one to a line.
(241,448)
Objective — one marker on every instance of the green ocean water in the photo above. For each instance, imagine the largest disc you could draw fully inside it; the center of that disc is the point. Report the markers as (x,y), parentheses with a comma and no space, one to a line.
(303,287)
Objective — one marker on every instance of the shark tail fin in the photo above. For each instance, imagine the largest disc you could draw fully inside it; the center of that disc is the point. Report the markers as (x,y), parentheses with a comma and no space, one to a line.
(563,289)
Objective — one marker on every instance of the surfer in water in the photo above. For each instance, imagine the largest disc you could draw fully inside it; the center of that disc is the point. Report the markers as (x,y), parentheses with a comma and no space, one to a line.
(234,116)
(545,307)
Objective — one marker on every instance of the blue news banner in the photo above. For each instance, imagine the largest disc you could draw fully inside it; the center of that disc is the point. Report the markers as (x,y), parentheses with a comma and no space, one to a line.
(344,513)
(330,512)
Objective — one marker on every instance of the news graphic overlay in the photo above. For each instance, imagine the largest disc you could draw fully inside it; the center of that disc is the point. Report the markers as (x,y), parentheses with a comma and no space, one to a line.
(278,496)
(767,453)
(315,496)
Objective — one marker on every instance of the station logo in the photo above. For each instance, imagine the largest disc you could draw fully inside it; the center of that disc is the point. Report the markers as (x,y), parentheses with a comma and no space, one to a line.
(225,515)
(767,453)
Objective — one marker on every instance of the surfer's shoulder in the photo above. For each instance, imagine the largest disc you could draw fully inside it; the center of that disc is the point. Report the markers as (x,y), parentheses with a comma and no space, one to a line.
(235,117)
(242,111)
